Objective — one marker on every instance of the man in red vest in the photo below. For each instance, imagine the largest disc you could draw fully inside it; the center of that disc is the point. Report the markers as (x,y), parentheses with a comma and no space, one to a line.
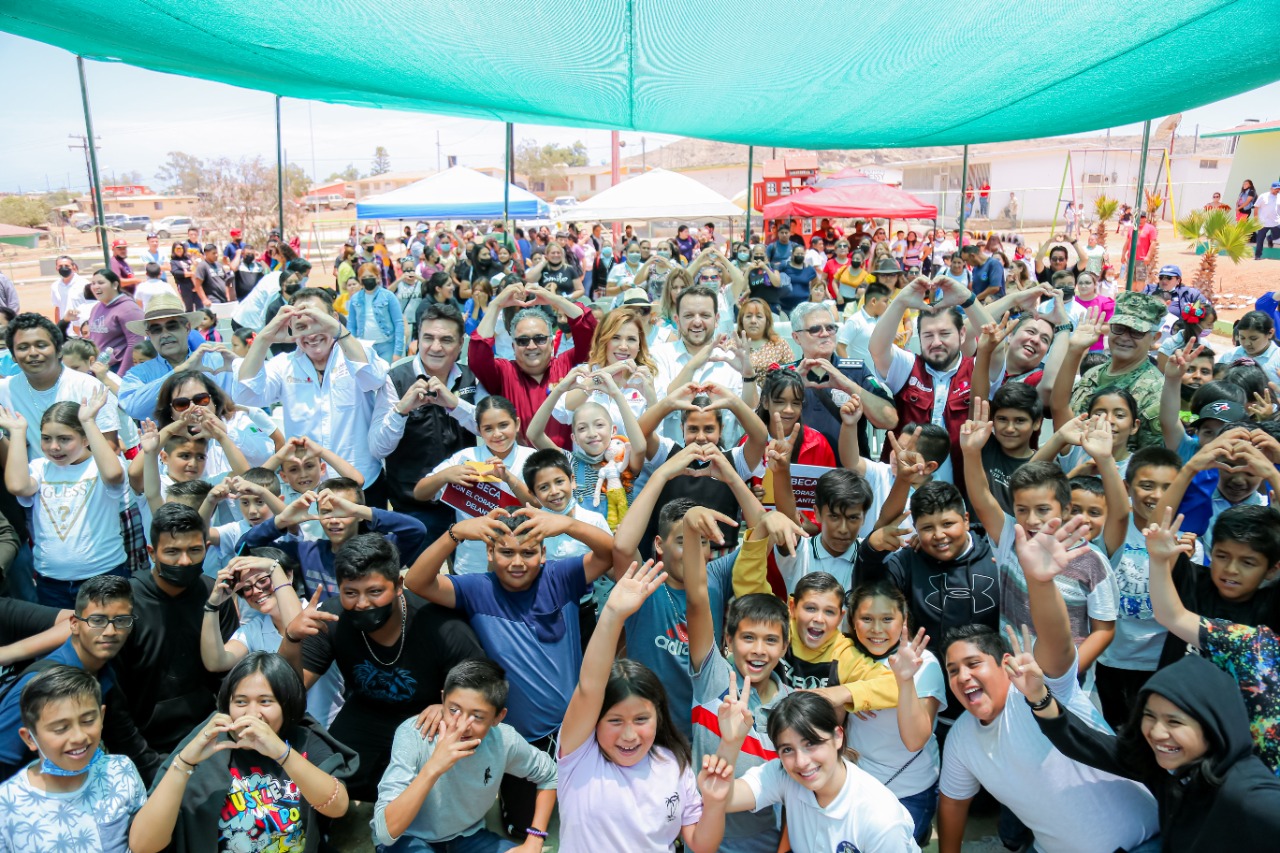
(932,387)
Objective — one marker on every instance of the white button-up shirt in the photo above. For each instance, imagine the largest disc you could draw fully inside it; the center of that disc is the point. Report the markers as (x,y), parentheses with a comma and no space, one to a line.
(1268,209)
(335,413)
(671,359)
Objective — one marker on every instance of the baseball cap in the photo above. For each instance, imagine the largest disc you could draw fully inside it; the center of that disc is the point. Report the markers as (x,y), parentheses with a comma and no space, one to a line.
(117,244)
(366,240)
(235,232)
(636,296)
(1139,311)
(1171,269)
(1228,411)
(1275,185)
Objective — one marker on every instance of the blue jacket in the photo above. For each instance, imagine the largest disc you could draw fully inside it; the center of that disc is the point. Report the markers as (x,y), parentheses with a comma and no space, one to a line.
(141,385)
(386,309)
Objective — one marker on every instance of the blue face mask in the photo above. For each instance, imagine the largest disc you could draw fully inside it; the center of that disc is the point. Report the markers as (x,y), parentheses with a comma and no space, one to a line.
(48,768)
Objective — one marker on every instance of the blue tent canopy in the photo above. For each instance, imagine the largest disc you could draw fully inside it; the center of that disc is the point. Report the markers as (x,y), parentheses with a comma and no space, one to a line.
(455,193)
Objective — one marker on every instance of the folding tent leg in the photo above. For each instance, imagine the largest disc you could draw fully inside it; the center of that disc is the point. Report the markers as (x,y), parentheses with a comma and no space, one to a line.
(751,157)
(1131,269)
(95,191)
(964,189)
(279,169)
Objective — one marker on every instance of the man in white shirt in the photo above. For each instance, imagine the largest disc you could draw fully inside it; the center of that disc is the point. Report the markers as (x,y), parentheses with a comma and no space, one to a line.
(252,311)
(1267,209)
(327,386)
(697,358)
(816,256)
(997,744)
(67,295)
(153,254)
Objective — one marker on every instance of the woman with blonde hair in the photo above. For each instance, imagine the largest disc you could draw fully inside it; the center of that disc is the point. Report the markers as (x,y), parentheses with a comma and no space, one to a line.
(665,329)
(755,321)
(618,348)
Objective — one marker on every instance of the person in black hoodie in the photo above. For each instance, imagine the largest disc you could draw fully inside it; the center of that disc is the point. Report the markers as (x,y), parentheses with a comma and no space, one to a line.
(1187,740)
(1244,555)
(949,580)
(256,775)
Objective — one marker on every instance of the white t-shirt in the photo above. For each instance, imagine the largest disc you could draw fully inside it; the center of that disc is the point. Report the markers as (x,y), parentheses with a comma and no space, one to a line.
(1071,807)
(67,296)
(75,520)
(812,556)
(149,288)
(863,816)
(855,334)
(16,393)
(472,557)
(878,742)
(250,430)
(1139,637)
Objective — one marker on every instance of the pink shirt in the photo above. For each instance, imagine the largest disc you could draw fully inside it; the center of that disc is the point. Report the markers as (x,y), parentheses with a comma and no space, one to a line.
(1107,306)
(640,809)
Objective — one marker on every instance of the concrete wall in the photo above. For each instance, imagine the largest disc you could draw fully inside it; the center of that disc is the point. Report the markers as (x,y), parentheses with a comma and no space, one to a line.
(1258,159)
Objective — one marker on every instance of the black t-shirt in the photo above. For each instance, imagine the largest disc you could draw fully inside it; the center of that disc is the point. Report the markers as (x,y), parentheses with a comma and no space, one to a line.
(1045,275)
(758,281)
(436,639)
(213,279)
(703,491)
(254,779)
(558,281)
(19,620)
(999,467)
(159,669)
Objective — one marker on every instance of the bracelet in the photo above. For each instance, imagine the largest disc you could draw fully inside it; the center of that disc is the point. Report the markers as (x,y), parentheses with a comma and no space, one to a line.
(189,769)
(332,797)
(210,608)
(751,378)
(290,638)
(284,756)
(1043,703)
(1065,327)
(343,337)
(276,589)
(536,833)
(973,297)
(456,540)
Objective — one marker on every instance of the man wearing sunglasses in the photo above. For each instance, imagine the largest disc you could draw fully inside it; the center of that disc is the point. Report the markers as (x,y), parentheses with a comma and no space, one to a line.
(102,623)
(1169,284)
(525,380)
(168,326)
(1133,332)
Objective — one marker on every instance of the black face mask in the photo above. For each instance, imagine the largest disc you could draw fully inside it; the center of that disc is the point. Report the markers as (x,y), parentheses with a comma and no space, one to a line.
(369,283)
(372,619)
(64,271)
(250,258)
(180,576)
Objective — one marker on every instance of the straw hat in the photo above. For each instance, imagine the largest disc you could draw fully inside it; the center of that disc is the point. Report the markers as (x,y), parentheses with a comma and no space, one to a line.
(161,307)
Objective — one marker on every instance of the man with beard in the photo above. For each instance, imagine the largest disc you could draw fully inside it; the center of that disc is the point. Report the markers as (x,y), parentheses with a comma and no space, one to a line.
(933,387)
(830,380)
(168,327)
(525,380)
(327,385)
(698,357)
(169,691)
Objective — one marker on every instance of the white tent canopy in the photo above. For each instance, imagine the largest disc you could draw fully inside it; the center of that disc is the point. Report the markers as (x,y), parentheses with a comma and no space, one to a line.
(657,194)
(455,193)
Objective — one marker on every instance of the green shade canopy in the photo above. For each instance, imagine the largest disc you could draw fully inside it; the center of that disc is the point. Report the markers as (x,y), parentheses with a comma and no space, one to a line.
(824,74)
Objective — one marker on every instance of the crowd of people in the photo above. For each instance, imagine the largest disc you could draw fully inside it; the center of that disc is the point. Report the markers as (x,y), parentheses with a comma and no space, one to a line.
(804,542)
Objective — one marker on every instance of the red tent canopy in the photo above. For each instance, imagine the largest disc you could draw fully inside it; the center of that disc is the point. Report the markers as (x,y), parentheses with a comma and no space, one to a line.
(854,200)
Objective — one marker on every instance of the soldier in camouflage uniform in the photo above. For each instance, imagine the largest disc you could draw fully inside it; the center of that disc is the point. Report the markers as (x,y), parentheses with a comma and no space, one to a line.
(1132,334)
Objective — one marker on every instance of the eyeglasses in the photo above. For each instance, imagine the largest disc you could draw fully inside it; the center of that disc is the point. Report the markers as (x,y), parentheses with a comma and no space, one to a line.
(1118,331)
(98,622)
(181,404)
(822,329)
(1166,277)
(171,326)
(537,340)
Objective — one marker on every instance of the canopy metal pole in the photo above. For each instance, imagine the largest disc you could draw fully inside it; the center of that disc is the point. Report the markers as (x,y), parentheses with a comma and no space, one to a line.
(964,195)
(279,169)
(751,157)
(506,185)
(95,191)
(1132,267)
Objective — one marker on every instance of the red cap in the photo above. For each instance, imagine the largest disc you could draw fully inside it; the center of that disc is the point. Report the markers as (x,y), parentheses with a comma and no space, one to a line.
(118,243)
(235,232)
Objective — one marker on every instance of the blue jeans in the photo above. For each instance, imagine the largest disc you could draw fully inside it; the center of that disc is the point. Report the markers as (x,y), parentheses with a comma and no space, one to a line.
(922,807)
(1265,233)
(483,841)
(62,594)
(22,575)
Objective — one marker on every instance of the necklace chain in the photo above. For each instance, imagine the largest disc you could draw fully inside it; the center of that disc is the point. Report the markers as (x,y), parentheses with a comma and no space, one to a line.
(404,613)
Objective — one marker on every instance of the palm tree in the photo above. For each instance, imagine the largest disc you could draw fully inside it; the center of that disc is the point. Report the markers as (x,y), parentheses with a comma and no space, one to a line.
(1219,233)
(1105,208)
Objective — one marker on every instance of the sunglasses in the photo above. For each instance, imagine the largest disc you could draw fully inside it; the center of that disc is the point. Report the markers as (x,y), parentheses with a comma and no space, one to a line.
(822,328)
(171,326)
(1118,331)
(1166,277)
(181,404)
(537,340)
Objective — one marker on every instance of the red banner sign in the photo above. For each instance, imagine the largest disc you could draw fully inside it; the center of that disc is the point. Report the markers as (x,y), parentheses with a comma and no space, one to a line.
(480,499)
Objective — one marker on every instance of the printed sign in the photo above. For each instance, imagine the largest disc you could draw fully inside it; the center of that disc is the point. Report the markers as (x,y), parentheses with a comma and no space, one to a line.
(480,499)
(804,483)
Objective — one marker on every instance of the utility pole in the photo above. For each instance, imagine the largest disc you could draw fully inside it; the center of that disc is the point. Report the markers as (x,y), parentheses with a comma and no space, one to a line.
(94,199)
(437,150)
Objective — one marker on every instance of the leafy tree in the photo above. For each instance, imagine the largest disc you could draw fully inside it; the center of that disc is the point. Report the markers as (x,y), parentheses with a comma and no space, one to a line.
(183,173)
(541,163)
(381,161)
(130,179)
(351,173)
(242,194)
(23,210)
(296,181)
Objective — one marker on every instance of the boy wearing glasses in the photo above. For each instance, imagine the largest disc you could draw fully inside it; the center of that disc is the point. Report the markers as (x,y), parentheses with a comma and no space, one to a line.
(1132,334)
(101,625)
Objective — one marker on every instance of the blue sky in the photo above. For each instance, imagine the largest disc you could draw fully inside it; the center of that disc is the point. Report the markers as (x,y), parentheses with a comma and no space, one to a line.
(141,115)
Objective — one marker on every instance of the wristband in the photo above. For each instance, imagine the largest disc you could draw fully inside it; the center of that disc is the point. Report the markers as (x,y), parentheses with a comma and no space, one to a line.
(751,378)
(276,589)
(343,337)
(973,297)
(210,608)
(290,638)
(536,833)
(1065,327)
(284,756)
(1043,703)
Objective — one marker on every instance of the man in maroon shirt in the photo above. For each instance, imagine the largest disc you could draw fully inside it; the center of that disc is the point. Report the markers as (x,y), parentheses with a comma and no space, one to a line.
(536,368)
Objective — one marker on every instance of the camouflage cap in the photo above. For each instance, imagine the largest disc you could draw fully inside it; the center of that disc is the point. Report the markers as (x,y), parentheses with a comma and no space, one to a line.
(1139,311)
